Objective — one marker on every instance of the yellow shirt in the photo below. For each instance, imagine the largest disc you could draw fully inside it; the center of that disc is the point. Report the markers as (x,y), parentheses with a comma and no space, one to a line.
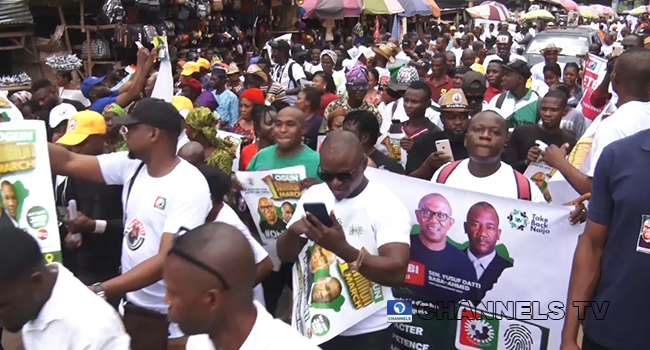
(478,68)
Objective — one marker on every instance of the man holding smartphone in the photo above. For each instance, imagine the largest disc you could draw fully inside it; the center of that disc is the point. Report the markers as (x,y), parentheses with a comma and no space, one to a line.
(441,147)
(372,237)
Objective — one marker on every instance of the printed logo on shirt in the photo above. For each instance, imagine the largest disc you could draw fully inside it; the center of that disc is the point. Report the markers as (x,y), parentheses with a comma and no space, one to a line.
(355,231)
(160,203)
(643,243)
(135,234)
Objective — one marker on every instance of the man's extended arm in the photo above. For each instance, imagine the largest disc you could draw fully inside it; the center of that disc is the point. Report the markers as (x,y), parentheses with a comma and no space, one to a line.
(64,162)
(145,61)
(584,278)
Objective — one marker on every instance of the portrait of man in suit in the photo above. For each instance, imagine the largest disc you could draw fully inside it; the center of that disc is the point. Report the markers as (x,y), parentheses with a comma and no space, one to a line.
(643,244)
(482,228)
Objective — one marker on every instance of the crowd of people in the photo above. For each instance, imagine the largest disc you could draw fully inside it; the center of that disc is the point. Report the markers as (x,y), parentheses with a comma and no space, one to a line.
(166,238)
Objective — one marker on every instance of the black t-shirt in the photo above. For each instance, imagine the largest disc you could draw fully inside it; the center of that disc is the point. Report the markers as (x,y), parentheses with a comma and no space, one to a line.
(427,145)
(273,231)
(385,162)
(524,137)
(313,127)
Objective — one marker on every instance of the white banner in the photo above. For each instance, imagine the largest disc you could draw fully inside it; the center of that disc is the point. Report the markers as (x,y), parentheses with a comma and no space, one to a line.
(510,257)
(271,197)
(235,140)
(26,184)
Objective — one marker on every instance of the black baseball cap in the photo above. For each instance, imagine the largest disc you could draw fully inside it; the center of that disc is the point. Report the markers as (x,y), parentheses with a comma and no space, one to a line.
(280,45)
(519,67)
(154,112)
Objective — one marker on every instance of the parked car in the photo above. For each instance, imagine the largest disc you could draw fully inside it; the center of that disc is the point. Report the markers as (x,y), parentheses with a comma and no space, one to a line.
(573,41)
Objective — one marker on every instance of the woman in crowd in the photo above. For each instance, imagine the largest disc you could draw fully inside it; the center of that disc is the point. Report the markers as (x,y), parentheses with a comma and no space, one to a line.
(115,142)
(201,128)
(191,88)
(263,117)
(324,83)
(335,119)
(244,126)
(374,94)
(571,79)
(309,102)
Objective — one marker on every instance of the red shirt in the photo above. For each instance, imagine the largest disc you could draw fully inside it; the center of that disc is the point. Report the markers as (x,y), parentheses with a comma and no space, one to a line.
(491,92)
(440,89)
(247,153)
(326,99)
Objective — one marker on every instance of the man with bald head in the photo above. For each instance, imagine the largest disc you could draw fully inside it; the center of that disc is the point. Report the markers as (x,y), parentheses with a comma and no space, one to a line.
(483,171)
(288,151)
(483,232)
(366,232)
(192,152)
(210,273)
(432,253)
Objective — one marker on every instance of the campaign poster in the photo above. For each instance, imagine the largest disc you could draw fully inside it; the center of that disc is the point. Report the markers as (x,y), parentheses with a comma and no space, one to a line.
(540,174)
(595,69)
(235,141)
(392,144)
(27,194)
(485,272)
(271,196)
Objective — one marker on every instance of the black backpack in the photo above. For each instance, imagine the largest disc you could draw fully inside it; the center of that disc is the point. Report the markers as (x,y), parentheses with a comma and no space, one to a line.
(112,12)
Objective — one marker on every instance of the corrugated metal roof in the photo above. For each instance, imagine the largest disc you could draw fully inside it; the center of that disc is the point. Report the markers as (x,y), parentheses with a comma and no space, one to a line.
(15,12)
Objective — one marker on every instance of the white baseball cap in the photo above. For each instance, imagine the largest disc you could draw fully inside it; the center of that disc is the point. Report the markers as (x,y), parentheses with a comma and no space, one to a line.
(61,113)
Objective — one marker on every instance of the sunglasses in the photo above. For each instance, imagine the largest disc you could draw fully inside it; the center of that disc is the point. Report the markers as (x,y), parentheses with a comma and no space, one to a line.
(343,177)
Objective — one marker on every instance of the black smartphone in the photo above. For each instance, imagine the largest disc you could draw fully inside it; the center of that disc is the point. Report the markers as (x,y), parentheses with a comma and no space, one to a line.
(319,210)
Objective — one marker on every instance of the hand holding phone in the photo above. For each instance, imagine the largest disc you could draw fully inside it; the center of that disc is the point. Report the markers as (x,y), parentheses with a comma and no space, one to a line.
(72,214)
(319,210)
(443,146)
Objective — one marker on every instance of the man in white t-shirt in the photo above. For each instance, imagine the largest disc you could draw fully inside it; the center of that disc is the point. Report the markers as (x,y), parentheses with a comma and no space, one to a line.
(484,171)
(366,232)
(631,82)
(220,184)
(504,53)
(48,305)
(286,71)
(162,195)
(210,273)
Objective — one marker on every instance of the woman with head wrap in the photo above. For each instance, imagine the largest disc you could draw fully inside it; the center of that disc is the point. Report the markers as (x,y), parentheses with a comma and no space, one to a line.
(202,128)
(245,125)
(328,60)
(206,99)
(190,88)
(115,142)
(356,87)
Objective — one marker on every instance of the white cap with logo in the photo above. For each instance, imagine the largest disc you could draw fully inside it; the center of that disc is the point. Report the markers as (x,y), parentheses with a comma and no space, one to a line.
(61,113)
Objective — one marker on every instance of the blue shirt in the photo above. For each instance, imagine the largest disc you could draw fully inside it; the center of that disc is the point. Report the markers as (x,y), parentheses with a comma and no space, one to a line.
(99,105)
(621,201)
(228,109)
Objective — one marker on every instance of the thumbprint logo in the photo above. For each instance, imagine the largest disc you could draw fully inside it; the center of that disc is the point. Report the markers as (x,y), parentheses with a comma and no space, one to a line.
(518,337)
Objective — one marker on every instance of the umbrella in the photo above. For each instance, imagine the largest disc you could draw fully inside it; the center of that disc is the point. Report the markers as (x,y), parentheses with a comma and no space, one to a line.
(414,7)
(382,7)
(587,12)
(435,9)
(490,10)
(639,10)
(331,9)
(569,5)
(603,10)
(538,14)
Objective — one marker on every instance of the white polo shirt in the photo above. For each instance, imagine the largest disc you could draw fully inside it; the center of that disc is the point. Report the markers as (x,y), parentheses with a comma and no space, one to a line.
(74,318)
(267,334)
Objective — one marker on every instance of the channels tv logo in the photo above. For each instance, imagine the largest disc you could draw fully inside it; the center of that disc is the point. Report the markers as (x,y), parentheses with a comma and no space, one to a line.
(400,311)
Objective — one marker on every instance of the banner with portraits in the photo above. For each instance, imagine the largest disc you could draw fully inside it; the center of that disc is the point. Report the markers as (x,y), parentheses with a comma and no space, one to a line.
(26,187)
(235,140)
(271,196)
(392,144)
(485,272)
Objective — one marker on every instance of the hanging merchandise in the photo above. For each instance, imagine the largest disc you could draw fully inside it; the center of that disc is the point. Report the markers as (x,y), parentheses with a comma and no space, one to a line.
(329,29)
(112,12)
(217,5)
(99,49)
(21,79)
(64,63)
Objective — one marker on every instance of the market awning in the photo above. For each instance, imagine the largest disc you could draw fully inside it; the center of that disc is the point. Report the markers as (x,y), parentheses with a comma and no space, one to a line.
(414,7)
(382,7)
(15,12)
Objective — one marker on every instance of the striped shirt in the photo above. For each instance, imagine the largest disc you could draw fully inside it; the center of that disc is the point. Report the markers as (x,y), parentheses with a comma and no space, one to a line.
(274,92)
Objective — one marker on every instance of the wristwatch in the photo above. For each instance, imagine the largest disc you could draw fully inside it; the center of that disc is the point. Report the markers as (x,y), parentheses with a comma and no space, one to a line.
(99,290)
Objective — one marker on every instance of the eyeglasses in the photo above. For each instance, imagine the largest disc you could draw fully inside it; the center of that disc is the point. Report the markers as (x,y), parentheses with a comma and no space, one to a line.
(428,215)
(343,177)
(358,86)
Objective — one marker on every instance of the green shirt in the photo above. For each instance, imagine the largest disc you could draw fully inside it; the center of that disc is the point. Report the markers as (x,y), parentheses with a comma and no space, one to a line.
(268,159)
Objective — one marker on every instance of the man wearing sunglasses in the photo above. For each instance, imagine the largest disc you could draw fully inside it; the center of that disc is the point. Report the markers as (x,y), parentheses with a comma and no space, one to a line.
(210,273)
(161,194)
(431,249)
(365,232)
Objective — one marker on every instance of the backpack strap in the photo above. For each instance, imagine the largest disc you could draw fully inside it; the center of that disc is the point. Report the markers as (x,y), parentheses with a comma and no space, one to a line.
(501,99)
(446,171)
(523,186)
(290,68)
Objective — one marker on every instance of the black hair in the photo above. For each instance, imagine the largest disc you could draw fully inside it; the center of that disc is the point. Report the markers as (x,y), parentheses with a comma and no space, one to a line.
(499,63)
(375,73)
(66,75)
(444,37)
(560,95)
(462,70)
(263,60)
(279,105)
(218,181)
(365,122)
(553,68)
(313,97)
(41,84)
(572,65)
(330,86)
(562,87)
(440,56)
(633,69)
(20,254)
(420,50)
(258,112)
(420,85)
